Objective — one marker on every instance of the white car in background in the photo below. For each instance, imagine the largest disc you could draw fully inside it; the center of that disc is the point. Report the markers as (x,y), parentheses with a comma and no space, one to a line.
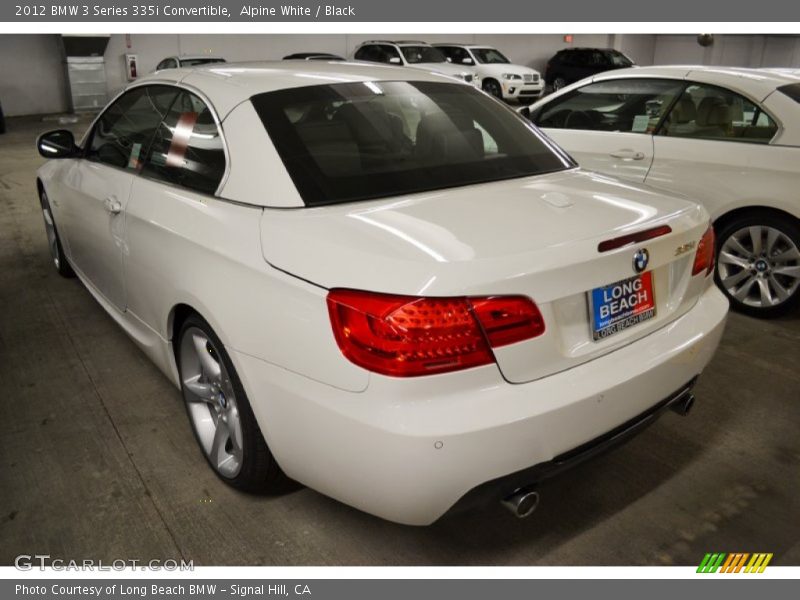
(177,62)
(498,76)
(785,70)
(379,282)
(726,137)
(415,55)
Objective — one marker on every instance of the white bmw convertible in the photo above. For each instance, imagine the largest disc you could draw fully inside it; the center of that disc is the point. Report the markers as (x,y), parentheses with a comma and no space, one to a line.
(381,283)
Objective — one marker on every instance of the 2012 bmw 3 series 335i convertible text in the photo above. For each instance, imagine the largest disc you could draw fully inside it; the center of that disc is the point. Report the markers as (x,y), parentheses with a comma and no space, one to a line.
(380,283)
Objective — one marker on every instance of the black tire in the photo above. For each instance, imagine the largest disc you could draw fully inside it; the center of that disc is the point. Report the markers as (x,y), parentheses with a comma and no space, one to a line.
(57,255)
(558,83)
(726,272)
(490,86)
(259,472)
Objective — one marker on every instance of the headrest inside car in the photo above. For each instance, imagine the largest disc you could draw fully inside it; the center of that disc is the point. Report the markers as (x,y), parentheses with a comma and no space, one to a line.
(713,111)
(685,111)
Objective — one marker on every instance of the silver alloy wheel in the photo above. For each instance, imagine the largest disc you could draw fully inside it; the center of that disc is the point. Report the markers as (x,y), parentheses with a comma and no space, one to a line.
(211,402)
(759,266)
(558,83)
(50,227)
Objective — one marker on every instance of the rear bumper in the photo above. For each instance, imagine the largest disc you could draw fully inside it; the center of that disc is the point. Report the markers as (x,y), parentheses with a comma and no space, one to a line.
(408,449)
(503,487)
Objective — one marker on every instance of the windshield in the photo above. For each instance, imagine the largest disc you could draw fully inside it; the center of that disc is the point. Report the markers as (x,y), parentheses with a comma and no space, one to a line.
(618,59)
(422,54)
(193,62)
(358,141)
(489,56)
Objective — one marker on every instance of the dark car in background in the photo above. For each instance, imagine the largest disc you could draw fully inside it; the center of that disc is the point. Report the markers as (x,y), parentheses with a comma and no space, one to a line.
(573,64)
(313,56)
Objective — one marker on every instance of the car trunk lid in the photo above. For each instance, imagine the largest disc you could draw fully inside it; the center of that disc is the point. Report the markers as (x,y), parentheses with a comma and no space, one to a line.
(536,236)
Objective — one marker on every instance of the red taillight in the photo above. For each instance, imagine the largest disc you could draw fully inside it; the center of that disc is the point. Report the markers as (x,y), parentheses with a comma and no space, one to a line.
(633,238)
(508,319)
(704,258)
(406,336)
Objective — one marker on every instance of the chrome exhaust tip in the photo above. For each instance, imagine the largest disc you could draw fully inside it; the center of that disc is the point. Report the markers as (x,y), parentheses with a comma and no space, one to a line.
(522,503)
(683,405)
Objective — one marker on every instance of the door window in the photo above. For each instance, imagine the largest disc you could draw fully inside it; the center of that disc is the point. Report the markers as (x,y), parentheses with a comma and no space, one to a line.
(123,132)
(598,59)
(568,58)
(187,149)
(422,54)
(456,54)
(490,56)
(377,53)
(629,105)
(714,113)
(617,59)
(365,53)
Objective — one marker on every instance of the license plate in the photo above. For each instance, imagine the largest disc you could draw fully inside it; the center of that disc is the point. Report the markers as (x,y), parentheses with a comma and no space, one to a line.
(621,305)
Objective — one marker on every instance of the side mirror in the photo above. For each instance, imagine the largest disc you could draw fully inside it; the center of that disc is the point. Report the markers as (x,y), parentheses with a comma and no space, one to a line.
(467,61)
(57,144)
(395,60)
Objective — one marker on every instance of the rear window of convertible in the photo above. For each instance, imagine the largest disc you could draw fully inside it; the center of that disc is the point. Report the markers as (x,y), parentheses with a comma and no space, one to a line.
(358,141)
(792,90)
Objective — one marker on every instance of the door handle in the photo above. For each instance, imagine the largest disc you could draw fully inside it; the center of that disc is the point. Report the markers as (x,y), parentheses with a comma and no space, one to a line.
(112,205)
(627,154)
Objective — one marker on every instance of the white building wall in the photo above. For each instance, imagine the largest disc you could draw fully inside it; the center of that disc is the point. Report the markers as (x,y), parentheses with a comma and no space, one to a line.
(32,76)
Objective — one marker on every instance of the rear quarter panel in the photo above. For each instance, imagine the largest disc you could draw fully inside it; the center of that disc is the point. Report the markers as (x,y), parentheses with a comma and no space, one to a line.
(187,248)
(724,176)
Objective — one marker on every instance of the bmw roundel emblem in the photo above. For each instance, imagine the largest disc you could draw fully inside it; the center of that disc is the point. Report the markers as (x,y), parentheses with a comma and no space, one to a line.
(640,260)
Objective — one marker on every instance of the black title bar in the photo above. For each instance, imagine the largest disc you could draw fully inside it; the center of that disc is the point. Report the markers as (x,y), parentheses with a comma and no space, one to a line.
(607,11)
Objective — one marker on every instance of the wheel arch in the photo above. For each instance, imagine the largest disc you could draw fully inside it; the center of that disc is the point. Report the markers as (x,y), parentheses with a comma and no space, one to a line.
(177,316)
(743,211)
(496,82)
